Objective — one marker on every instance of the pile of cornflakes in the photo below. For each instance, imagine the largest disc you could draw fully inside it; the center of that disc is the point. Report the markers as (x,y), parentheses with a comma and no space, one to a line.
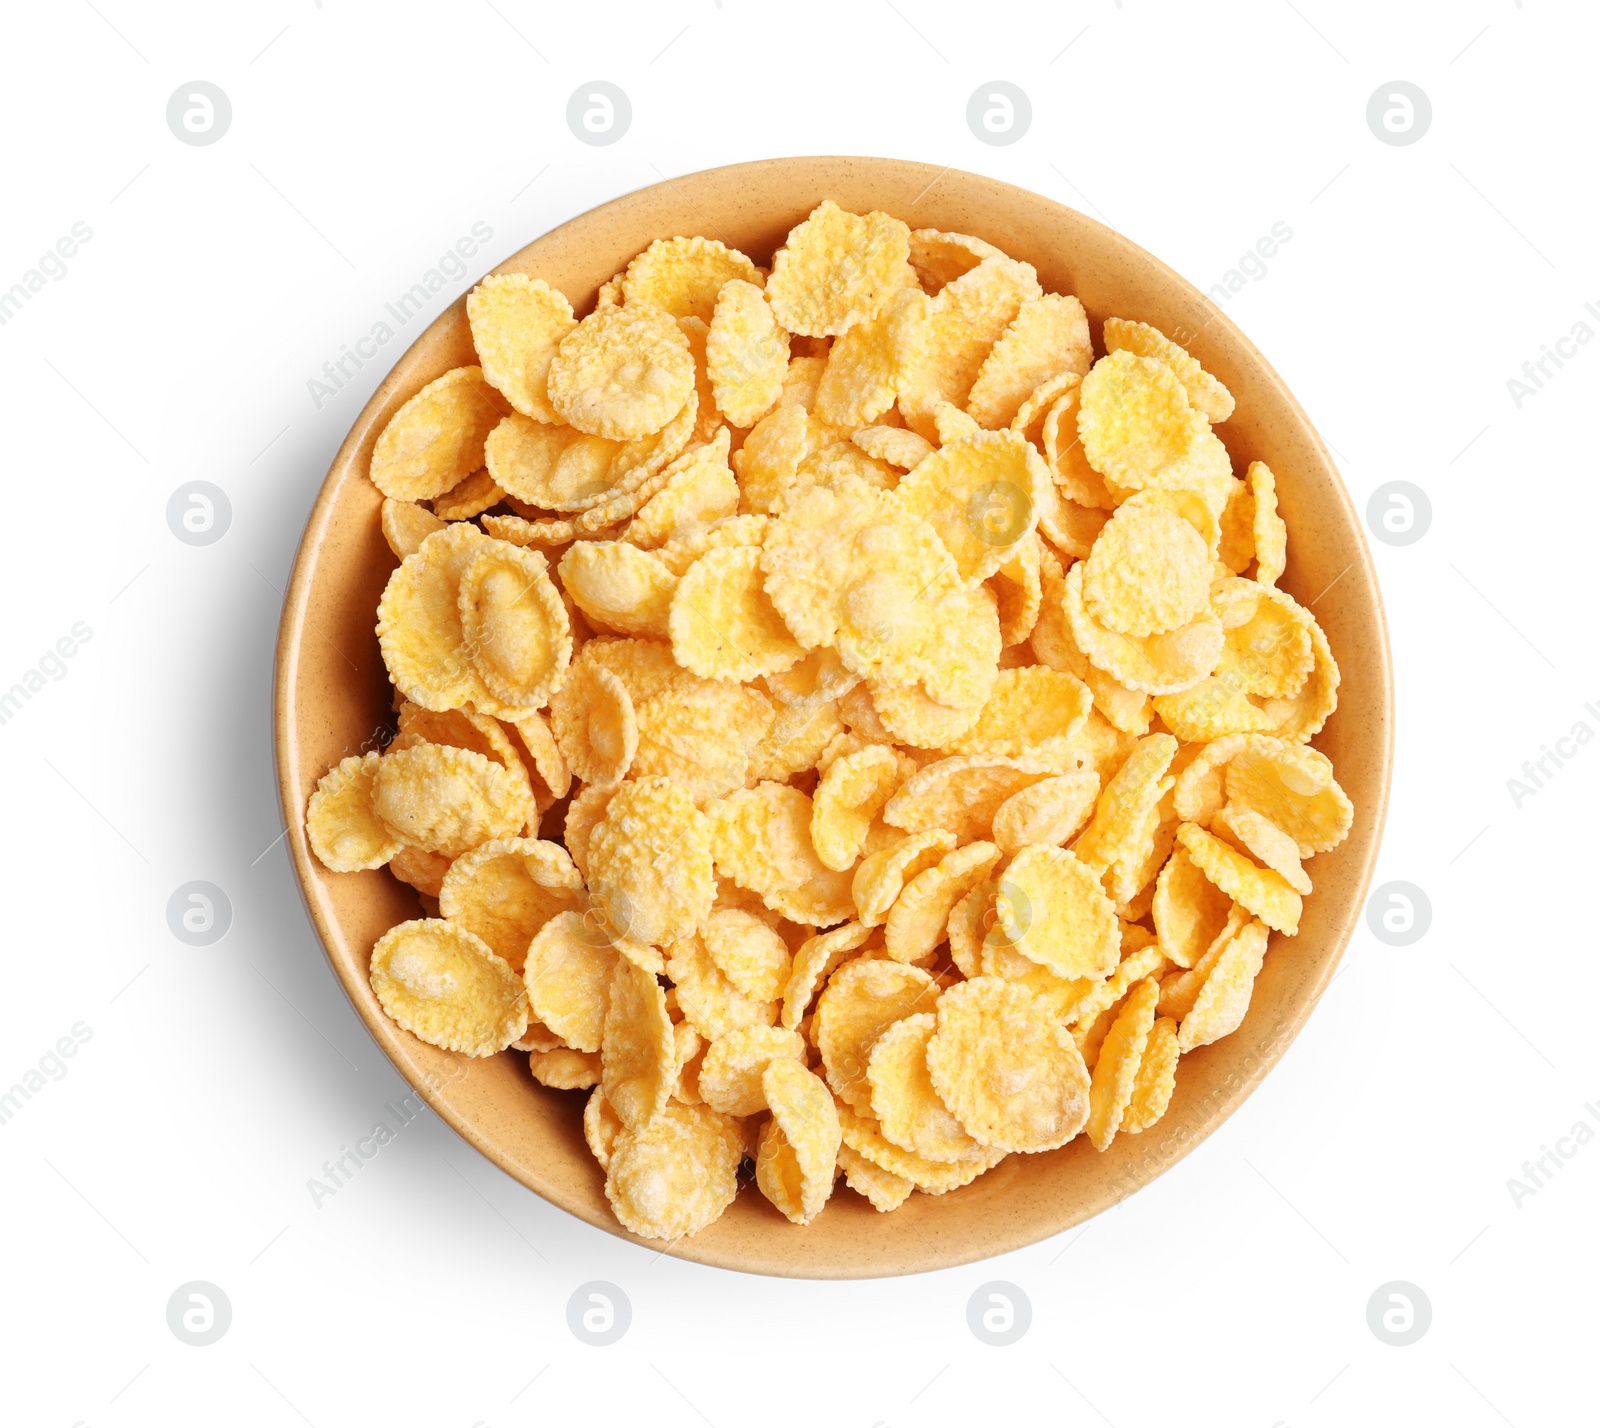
(841,721)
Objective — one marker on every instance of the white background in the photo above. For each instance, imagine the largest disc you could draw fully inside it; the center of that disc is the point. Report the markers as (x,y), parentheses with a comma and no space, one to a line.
(366,138)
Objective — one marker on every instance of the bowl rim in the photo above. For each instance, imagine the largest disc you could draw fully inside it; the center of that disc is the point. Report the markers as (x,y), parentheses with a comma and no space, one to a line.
(389,1039)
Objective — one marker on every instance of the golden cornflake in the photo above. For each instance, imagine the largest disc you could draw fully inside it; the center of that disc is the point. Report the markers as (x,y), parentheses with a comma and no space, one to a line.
(1206,394)
(1051,908)
(1049,811)
(595,724)
(619,586)
(747,354)
(1116,1069)
(514,625)
(730,1074)
(517,324)
(981,494)
(568,974)
(676,1174)
(1260,890)
(1269,534)
(468,498)
(1224,997)
(880,876)
(1148,571)
(918,920)
(960,794)
(345,833)
(1049,337)
(1152,1086)
(639,1056)
(748,953)
(908,1109)
(621,373)
(435,441)
(1189,910)
(707,997)
(762,840)
(448,800)
(848,797)
(861,1000)
(650,862)
(723,624)
(814,962)
(837,268)
(1294,787)
(506,890)
(795,1164)
(683,276)
(445,987)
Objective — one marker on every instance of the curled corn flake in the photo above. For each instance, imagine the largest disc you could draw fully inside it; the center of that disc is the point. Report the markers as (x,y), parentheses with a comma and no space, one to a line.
(893,444)
(1048,812)
(960,794)
(730,1074)
(748,953)
(1051,908)
(939,258)
(918,920)
(1126,802)
(697,494)
(1116,1069)
(1061,995)
(1198,792)
(858,383)
(815,961)
(601,1127)
(1269,535)
(406,525)
(689,1049)
(675,1175)
(650,862)
(848,797)
(747,354)
(1302,715)
(448,800)
(1107,996)
(910,717)
(468,498)
(568,972)
(837,268)
(595,724)
(514,625)
(880,876)
(1007,1069)
(638,1050)
(861,1000)
(563,1069)
(798,1153)
(682,551)
(1064,457)
(461,729)
(1070,527)
(909,1111)
(1179,989)
(622,372)
(1267,648)
(700,733)
(445,987)
(550,467)
(1189,910)
(583,814)
(536,746)
(619,586)
(683,276)
(709,1000)
(1137,426)
(804,376)
(882,1189)
(1260,890)
(1156,664)
(768,463)
(435,441)
(951,424)
(1152,1085)
(1224,996)
(799,734)
(1148,572)
(421,869)
(1032,712)
(517,324)
(862,1134)
(1206,394)
(1048,338)
(345,833)
(762,839)
(1030,418)
(1263,840)
(1236,528)
(722,623)
(1294,787)
(507,889)
(1019,593)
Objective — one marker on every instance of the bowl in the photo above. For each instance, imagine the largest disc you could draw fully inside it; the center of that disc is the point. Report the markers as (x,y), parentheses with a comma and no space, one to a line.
(333,699)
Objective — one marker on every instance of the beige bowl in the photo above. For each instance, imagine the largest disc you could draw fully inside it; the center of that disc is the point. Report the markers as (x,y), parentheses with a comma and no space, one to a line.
(332,695)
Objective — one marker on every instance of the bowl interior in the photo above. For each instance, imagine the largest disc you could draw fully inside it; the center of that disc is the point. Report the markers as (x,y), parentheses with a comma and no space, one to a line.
(333,698)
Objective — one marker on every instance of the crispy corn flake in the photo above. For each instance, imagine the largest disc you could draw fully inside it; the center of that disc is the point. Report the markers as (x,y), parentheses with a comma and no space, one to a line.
(583,815)
(951,424)
(1152,1085)
(1019,593)
(708,999)
(804,377)
(946,352)
(893,445)
(1199,790)
(768,462)
(650,862)
(919,919)
(940,258)
(881,1189)
(1302,715)
(514,625)
(799,734)
(468,498)
(814,962)
(1294,787)
(406,525)
(689,1049)
(1260,838)
(1224,996)
(862,1134)
(1214,708)
(620,587)
(1032,712)
(960,794)
(1064,457)
(445,987)
(601,1127)
(1007,1069)
(700,733)
(762,840)
(421,869)
(563,1069)
(1126,802)
(1072,529)
(538,1037)
(698,494)
(683,276)
(799,1148)
(748,953)
(1047,812)
(909,1111)
(722,623)
(638,1050)
(981,494)
(525,459)
(1051,908)
(910,717)
(448,800)
(861,1000)
(507,889)
(435,441)
(1179,989)
(518,530)
(837,268)
(747,354)
(1137,426)
(1269,535)
(729,533)
(1206,394)
(595,724)
(345,833)
(858,383)
(730,1075)
(621,373)
(880,876)
(675,1175)
(1260,890)
(1048,338)
(517,324)
(1189,910)
(1148,572)
(536,746)
(567,974)
(1155,664)
(1116,1069)
(1237,544)
(848,797)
